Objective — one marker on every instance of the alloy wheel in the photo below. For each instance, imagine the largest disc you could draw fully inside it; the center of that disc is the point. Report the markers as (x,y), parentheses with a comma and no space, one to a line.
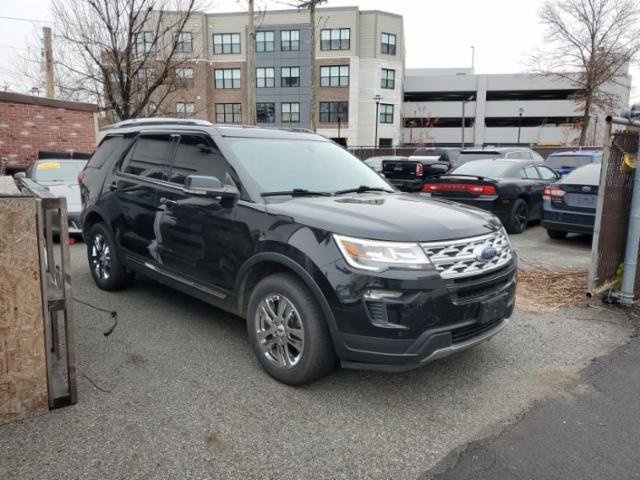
(279,331)
(101,257)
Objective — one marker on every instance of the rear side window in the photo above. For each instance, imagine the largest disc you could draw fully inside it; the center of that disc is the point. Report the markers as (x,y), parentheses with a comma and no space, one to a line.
(196,156)
(547,173)
(148,157)
(530,172)
(521,154)
(104,151)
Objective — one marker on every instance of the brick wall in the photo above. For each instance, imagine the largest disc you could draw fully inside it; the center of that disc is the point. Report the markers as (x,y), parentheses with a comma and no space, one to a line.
(30,124)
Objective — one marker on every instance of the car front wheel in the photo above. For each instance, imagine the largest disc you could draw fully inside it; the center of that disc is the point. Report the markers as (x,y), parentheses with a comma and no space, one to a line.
(288,332)
(106,269)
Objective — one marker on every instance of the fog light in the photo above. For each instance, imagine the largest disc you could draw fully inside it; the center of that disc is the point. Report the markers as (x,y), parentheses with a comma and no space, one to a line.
(381,294)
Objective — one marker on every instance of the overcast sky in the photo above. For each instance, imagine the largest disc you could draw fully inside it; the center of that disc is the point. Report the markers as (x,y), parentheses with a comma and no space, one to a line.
(438,33)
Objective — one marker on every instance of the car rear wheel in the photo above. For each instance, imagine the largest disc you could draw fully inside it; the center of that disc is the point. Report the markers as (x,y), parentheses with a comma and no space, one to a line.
(105,266)
(519,217)
(288,332)
(557,234)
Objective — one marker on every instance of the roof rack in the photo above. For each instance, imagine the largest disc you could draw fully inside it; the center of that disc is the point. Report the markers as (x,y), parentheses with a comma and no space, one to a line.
(159,121)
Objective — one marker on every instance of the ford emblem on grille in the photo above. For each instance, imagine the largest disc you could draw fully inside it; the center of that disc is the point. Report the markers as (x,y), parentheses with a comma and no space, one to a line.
(586,189)
(486,253)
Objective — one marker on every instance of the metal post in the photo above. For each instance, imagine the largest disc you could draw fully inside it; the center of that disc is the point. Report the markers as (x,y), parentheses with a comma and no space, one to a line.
(633,242)
(339,129)
(520,112)
(462,124)
(377,99)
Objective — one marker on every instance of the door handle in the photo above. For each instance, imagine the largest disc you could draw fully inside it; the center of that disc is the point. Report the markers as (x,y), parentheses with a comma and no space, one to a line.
(168,203)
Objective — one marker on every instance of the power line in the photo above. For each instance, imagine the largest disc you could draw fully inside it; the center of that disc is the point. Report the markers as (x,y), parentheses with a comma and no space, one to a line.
(22,19)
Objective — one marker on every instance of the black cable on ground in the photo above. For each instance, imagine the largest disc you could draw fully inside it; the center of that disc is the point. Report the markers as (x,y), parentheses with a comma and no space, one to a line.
(112,313)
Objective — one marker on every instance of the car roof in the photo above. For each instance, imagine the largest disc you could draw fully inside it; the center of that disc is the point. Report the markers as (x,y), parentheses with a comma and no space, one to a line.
(496,149)
(514,162)
(387,157)
(178,124)
(575,153)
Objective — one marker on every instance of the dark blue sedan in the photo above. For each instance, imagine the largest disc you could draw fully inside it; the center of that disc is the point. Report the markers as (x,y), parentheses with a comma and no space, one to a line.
(569,205)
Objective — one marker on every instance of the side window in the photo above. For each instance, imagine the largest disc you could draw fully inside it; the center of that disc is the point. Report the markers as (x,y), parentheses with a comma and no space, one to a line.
(196,156)
(521,154)
(148,157)
(104,151)
(530,172)
(546,173)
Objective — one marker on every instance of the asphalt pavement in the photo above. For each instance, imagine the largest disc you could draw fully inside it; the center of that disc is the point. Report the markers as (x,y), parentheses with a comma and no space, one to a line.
(175,392)
(592,434)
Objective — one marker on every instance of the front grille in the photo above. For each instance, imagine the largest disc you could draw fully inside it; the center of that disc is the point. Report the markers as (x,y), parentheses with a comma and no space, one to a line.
(462,334)
(460,258)
(469,289)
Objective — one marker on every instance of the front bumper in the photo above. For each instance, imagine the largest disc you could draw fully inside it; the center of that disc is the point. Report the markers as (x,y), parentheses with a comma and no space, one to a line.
(434,318)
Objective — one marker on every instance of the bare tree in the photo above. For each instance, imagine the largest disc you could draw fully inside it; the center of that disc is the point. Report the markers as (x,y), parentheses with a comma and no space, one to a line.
(121,54)
(590,44)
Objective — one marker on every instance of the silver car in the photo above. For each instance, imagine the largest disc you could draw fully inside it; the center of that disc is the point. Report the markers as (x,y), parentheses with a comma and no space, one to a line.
(60,177)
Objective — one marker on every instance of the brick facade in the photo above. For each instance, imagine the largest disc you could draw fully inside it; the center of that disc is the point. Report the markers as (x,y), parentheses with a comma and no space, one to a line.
(30,124)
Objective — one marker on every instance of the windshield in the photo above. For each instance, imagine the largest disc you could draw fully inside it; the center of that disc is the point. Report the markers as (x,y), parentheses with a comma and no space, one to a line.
(466,157)
(58,170)
(568,161)
(488,169)
(282,165)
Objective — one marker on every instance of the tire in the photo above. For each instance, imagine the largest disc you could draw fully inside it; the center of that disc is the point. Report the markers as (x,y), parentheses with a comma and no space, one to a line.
(557,234)
(300,349)
(105,266)
(519,217)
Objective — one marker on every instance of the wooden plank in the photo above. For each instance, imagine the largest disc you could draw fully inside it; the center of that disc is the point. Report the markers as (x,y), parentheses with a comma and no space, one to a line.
(23,372)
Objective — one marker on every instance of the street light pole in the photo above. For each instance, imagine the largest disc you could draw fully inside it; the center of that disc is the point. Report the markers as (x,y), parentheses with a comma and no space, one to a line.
(520,112)
(377,99)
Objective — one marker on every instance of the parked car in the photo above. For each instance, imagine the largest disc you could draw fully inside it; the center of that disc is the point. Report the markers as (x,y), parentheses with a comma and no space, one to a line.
(510,189)
(570,204)
(376,162)
(409,174)
(290,231)
(60,177)
(520,153)
(566,162)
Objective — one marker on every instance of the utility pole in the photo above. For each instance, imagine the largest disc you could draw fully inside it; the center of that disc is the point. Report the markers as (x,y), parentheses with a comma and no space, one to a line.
(251,69)
(48,61)
(311,5)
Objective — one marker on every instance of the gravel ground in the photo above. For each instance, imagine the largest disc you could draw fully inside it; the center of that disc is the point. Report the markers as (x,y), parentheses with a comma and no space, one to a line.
(178,394)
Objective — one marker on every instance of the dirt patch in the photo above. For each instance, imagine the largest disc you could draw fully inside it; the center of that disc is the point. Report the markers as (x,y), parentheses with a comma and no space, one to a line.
(544,290)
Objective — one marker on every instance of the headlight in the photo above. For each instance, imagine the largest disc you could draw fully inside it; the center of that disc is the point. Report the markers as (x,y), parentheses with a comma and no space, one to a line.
(377,256)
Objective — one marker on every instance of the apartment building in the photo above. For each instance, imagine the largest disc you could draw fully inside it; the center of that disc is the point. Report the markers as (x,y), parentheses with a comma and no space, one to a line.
(360,55)
(498,109)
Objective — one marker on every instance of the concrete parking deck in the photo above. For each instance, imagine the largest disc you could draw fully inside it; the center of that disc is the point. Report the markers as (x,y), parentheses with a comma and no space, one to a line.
(175,392)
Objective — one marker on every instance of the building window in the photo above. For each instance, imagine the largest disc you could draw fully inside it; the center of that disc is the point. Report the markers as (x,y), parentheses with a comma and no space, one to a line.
(144,44)
(386,113)
(265,77)
(226,43)
(290,112)
(184,77)
(335,39)
(227,78)
(265,41)
(228,113)
(388,79)
(389,43)
(185,109)
(332,112)
(146,75)
(385,142)
(290,76)
(334,76)
(289,40)
(266,112)
(184,42)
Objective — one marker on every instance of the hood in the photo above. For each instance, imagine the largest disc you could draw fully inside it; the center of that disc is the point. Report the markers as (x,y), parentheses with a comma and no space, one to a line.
(395,217)
(69,190)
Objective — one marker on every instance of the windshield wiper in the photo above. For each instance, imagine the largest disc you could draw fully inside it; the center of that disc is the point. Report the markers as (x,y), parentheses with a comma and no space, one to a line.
(362,189)
(296,192)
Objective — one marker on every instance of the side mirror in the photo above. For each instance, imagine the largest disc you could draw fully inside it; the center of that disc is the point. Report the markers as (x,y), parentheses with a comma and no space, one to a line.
(207,186)
(19,175)
(439,168)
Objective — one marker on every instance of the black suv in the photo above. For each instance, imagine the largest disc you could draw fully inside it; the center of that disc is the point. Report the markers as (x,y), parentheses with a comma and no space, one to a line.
(320,254)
